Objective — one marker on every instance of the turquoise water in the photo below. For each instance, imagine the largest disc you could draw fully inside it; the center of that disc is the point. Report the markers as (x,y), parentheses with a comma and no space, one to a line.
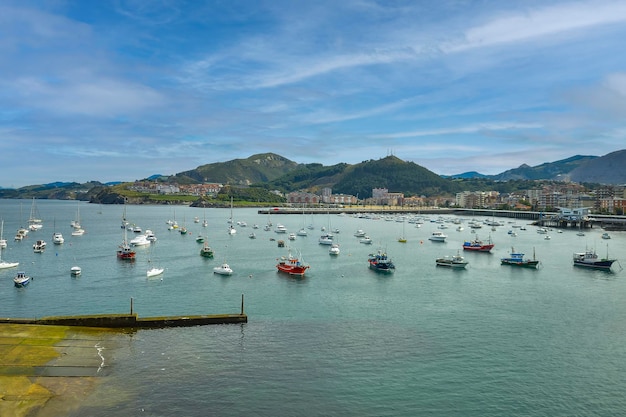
(490,340)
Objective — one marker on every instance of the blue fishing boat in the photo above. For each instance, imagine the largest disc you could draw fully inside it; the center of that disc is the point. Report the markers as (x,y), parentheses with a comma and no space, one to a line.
(380,262)
(21,279)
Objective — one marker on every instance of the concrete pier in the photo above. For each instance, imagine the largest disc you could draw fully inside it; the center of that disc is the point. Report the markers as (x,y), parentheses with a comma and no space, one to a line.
(131,321)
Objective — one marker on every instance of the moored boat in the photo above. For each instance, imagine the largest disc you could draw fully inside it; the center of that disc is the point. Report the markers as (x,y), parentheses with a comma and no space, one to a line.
(334,249)
(517,259)
(454,261)
(590,259)
(223,269)
(437,236)
(21,279)
(380,262)
(206,250)
(124,250)
(57,238)
(75,271)
(478,245)
(292,265)
(39,246)
(154,271)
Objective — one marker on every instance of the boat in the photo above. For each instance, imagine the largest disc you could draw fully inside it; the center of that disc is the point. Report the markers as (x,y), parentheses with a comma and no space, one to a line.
(478,245)
(78,230)
(124,250)
(39,246)
(3,241)
(302,232)
(150,235)
(280,228)
(334,249)
(140,240)
(5,264)
(605,235)
(200,239)
(380,262)
(402,239)
(366,240)
(291,265)
(437,236)
(21,234)
(326,239)
(454,261)
(231,228)
(359,233)
(292,236)
(154,271)
(21,279)
(542,230)
(206,250)
(34,220)
(517,259)
(57,237)
(75,271)
(223,269)
(589,259)
(252,235)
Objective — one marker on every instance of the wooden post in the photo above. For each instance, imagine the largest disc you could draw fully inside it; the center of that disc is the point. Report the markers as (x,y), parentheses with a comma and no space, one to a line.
(242,304)
(131,306)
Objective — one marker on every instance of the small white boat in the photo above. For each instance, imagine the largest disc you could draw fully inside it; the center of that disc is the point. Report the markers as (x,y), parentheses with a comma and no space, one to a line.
(140,240)
(366,240)
(57,238)
(5,264)
(292,236)
(3,241)
(154,271)
(75,271)
(252,235)
(326,239)
(606,235)
(78,232)
(438,237)
(334,249)
(223,269)
(359,233)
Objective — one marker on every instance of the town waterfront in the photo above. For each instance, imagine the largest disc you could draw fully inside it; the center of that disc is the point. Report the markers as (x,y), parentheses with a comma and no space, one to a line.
(490,340)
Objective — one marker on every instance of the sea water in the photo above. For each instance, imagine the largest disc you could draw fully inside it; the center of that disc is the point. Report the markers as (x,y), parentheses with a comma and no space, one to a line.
(490,340)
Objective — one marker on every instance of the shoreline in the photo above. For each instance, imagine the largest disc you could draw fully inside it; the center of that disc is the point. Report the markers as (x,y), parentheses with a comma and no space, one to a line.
(47,371)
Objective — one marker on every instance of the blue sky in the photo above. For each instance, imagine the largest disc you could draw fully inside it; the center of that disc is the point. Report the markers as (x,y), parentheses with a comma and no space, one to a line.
(123,89)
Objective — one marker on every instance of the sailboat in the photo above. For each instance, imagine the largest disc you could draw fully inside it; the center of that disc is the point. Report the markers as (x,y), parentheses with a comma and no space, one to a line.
(205,223)
(402,239)
(153,270)
(78,230)
(34,220)
(3,241)
(5,264)
(231,228)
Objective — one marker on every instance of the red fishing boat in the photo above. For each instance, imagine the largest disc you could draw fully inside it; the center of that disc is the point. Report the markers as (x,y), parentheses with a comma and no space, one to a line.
(124,250)
(478,245)
(291,265)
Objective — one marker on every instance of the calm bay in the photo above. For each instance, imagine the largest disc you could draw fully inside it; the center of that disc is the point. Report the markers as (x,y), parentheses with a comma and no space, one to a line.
(490,340)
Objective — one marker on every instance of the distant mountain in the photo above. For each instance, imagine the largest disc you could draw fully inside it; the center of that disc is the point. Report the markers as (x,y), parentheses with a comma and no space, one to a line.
(467,175)
(257,168)
(607,169)
(558,170)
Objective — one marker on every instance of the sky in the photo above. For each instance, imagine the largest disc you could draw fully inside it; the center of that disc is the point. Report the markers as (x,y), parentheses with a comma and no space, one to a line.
(119,90)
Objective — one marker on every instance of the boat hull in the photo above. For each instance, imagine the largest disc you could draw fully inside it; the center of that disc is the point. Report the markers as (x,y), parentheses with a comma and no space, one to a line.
(468,246)
(603,264)
(522,264)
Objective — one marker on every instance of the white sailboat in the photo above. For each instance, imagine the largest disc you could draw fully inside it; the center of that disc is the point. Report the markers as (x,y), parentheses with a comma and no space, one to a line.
(3,241)
(34,220)
(153,270)
(231,228)
(78,230)
(5,264)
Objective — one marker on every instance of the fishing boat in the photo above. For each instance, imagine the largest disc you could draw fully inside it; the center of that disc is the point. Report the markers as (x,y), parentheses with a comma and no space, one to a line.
(517,259)
(478,245)
(21,279)
(454,261)
(206,250)
(590,259)
(124,250)
(334,249)
(223,269)
(380,262)
(76,271)
(437,236)
(291,265)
